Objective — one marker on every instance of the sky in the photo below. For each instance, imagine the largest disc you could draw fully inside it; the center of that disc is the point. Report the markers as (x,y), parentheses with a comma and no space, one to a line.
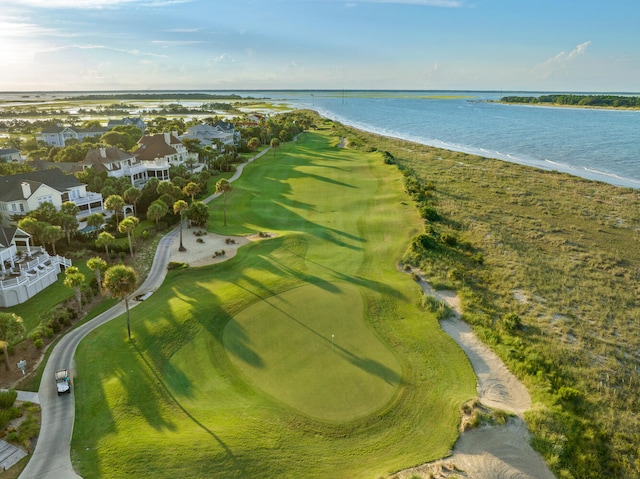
(508,45)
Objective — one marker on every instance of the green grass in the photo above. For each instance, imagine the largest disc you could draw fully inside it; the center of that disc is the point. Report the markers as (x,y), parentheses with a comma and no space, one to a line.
(231,372)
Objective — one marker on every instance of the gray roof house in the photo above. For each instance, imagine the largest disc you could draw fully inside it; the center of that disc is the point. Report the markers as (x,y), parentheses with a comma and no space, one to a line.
(137,122)
(58,135)
(24,192)
(223,131)
(10,154)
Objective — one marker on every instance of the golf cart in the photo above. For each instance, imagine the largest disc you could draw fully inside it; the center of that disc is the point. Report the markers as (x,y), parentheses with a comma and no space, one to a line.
(62,382)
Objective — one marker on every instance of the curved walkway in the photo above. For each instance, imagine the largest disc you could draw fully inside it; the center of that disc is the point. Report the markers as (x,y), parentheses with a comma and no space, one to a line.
(52,455)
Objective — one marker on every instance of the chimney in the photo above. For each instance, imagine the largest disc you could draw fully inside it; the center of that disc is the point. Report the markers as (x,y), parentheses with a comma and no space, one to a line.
(26,189)
(167,137)
(103,152)
(175,133)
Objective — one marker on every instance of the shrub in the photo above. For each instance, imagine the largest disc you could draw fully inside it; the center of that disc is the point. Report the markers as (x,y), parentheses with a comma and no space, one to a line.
(7,398)
(38,343)
(429,213)
(173,265)
(449,239)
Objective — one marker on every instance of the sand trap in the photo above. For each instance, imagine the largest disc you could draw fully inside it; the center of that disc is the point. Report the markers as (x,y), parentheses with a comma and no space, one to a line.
(201,250)
(487,452)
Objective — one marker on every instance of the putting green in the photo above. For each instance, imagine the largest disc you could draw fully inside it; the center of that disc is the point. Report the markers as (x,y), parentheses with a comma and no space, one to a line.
(310,348)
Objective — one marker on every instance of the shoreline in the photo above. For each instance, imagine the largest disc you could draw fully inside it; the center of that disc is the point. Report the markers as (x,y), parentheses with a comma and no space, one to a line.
(541,164)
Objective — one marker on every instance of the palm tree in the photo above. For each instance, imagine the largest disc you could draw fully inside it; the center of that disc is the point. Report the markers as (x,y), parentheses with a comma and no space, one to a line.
(132,195)
(120,281)
(51,234)
(74,279)
(69,224)
(198,213)
(115,203)
(11,329)
(253,144)
(128,225)
(223,187)
(105,239)
(99,266)
(275,143)
(179,207)
(191,189)
(95,220)
(156,211)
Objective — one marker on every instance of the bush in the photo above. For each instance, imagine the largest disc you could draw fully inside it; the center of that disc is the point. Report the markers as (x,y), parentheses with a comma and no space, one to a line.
(7,398)
(449,239)
(38,343)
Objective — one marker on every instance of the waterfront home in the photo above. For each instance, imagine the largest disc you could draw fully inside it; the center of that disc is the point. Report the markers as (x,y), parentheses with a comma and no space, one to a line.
(25,270)
(118,164)
(221,131)
(10,155)
(58,135)
(25,192)
(137,122)
(161,151)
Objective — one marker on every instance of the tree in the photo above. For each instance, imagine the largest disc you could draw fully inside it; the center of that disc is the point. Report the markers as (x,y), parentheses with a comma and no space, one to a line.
(128,225)
(95,220)
(115,203)
(105,239)
(156,211)
(275,143)
(132,195)
(253,144)
(223,187)
(69,224)
(120,281)
(74,279)
(191,189)
(179,207)
(69,208)
(33,226)
(11,329)
(99,266)
(51,234)
(198,213)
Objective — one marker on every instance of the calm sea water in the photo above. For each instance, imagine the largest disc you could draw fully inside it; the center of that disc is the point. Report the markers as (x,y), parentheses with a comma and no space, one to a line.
(596,144)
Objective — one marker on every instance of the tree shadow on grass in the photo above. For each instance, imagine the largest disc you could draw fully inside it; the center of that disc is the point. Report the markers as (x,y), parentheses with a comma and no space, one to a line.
(167,390)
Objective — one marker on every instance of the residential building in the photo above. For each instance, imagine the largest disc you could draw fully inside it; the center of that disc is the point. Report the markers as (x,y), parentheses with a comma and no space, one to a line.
(137,122)
(118,163)
(161,151)
(222,131)
(24,192)
(58,135)
(10,154)
(25,270)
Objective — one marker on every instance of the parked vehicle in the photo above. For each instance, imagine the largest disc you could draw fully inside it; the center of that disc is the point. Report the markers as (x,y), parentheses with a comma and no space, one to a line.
(62,382)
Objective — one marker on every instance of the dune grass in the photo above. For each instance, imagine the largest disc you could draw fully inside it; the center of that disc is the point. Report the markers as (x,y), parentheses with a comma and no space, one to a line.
(231,372)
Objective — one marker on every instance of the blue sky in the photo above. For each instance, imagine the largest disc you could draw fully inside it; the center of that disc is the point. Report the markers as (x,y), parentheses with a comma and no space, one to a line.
(320,44)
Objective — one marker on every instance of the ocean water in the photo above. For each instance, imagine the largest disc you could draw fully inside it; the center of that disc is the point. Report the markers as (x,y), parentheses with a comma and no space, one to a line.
(597,144)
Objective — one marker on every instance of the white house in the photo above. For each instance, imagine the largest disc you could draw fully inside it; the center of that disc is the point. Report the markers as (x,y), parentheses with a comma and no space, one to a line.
(58,135)
(25,270)
(24,192)
(161,151)
(117,164)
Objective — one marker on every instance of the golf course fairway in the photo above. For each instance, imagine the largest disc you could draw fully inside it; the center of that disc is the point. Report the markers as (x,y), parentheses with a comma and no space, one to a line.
(307,354)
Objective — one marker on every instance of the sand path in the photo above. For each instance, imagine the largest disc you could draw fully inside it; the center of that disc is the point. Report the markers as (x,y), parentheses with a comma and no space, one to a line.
(488,452)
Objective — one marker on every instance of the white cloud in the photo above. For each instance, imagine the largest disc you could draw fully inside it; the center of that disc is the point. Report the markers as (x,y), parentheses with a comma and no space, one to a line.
(562,57)
(175,43)
(89,4)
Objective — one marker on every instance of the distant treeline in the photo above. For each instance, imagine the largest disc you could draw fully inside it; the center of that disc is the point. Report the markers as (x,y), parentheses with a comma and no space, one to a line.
(159,96)
(578,100)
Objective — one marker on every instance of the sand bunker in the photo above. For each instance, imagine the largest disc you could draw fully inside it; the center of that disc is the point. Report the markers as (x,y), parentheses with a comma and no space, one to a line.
(488,452)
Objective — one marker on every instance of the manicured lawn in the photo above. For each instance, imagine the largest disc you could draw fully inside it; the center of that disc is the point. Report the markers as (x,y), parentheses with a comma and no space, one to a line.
(232,371)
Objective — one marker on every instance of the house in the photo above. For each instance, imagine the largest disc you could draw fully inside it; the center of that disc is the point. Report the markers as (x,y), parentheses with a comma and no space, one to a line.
(161,151)
(24,192)
(58,135)
(222,131)
(137,122)
(25,270)
(10,154)
(117,164)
